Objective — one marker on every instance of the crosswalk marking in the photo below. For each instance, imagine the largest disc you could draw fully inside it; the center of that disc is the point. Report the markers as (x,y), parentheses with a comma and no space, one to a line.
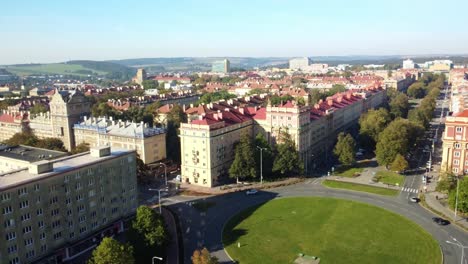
(410,190)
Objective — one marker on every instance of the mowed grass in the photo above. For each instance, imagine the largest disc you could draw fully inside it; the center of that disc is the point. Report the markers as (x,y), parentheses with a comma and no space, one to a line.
(336,231)
(389,177)
(52,68)
(348,172)
(359,187)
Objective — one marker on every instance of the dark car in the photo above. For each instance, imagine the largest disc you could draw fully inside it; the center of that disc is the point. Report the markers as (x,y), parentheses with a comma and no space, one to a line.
(440,221)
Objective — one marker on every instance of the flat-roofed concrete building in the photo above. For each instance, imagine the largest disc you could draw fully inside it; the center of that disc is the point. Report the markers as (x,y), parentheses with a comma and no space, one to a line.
(221,66)
(17,157)
(149,142)
(299,63)
(53,210)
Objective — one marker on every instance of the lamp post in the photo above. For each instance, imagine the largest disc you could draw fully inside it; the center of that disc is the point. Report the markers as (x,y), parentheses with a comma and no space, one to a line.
(158,258)
(159,197)
(261,163)
(460,245)
(165,172)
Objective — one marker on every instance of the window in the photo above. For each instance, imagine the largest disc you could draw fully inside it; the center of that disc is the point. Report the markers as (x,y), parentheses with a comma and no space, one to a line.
(39,211)
(22,191)
(28,242)
(459,129)
(66,178)
(68,201)
(456,162)
(26,217)
(72,234)
(82,229)
(12,249)
(57,235)
(455,170)
(5,197)
(456,154)
(10,236)
(14,261)
(42,236)
(27,229)
(53,200)
(43,248)
(30,254)
(24,204)
(82,218)
(80,208)
(7,210)
(9,222)
(40,224)
(54,212)
(115,210)
(78,186)
(70,224)
(457,145)
(79,197)
(91,193)
(56,224)
(69,212)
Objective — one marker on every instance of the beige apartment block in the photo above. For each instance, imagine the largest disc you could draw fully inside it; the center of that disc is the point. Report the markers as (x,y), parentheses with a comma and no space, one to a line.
(148,142)
(53,210)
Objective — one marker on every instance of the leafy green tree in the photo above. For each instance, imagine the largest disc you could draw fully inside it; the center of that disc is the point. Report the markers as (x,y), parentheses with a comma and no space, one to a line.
(267,155)
(372,124)
(344,149)
(399,105)
(447,183)
(203,257)
(462,196)
(22,138)
(257,91)
(337,88)
(82,147)
(38,108)
(175,117)
(276,100)
(416,90)
(150,225)
(51,144)
(287,161)
(399,164)
(150,84)
(243,164)
(396,138)
(102,109)
(316,96)
(418,116)
(110,251)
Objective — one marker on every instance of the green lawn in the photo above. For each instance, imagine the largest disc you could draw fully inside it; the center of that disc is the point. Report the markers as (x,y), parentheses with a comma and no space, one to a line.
(53,68)
(389,177)
(359,187)
(348,172)
(337,231)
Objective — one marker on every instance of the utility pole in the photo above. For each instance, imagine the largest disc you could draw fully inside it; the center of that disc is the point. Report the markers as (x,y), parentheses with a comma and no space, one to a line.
(261,163)
(165,172)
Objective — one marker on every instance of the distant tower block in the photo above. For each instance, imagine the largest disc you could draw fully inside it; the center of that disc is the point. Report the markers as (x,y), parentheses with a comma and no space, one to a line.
(140,76)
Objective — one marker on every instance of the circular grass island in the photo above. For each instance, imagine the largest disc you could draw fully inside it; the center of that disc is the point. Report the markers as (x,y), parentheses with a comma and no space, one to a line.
(335,230)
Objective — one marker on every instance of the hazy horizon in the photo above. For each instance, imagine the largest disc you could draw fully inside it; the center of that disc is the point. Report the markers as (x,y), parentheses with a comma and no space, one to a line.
(48,31)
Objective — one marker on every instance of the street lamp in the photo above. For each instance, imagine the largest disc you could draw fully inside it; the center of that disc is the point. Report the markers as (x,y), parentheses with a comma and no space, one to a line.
(460,245)
(158,258)
(159,197)
(165,172)
(261,163)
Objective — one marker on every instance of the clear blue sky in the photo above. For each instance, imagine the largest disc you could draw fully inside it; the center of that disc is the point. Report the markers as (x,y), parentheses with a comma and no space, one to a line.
(53,31)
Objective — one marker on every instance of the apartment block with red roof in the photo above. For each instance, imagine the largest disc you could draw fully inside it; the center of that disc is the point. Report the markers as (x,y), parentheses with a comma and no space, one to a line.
(455,144)
(207,143)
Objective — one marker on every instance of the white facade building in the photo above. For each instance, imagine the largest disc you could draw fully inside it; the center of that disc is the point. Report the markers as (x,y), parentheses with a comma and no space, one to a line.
(408,64)
(299,63)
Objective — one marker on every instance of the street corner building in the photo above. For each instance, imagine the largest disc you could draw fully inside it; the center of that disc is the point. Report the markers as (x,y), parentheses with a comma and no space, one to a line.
(53,210)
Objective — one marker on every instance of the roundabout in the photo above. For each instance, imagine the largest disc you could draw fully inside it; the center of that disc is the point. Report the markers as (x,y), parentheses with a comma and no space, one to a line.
(335,230)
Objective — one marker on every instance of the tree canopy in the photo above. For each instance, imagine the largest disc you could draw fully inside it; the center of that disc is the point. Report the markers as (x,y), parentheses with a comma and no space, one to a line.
(150,225)
(399,164)
(287,161)
(110,251)
(203,257)
(399,105)
(344,149)
(372,124)
(243,164)
(462,195)
(267,155)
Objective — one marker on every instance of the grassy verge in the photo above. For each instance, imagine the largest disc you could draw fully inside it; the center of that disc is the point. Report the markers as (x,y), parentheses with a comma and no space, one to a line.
(389,177)
(335,230)
(348,172)
(359,187)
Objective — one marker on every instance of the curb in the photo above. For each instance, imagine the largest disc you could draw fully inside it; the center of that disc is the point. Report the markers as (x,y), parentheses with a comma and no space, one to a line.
(427,207)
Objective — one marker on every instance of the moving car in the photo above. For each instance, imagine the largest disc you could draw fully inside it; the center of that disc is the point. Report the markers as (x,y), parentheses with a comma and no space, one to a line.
(251,192)
(440,221)
(414,199)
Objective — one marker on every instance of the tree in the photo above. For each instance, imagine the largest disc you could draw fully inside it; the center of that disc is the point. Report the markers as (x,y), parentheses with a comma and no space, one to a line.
(174,118)
(38,108)
(462,205)
(51,144)
(344,149)
(447,183)
(287,160)
(416,90)
(399,105)
(150,226)
(110,251)
(150,84)
(316,96)
(399,164)
(80,148)
(243,164)
(337,88)
(23,138)
(396,138)
(203,257)
(372,124)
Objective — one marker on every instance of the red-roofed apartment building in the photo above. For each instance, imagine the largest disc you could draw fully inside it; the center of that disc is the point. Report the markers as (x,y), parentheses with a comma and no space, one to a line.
(207,143)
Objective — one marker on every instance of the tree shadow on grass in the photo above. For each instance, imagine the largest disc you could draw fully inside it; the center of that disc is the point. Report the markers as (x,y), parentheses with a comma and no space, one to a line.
(233,236)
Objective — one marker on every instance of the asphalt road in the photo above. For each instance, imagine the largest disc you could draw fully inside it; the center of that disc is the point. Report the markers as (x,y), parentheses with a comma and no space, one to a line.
(205,229)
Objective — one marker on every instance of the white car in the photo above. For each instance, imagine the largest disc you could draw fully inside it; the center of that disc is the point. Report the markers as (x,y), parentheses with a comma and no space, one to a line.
(414,199)
(251,192)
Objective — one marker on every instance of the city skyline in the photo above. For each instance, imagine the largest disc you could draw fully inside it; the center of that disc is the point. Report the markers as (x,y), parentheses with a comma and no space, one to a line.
(56,32)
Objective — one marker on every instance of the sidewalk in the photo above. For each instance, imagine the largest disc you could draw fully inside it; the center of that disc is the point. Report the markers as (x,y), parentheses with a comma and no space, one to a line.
(172,251)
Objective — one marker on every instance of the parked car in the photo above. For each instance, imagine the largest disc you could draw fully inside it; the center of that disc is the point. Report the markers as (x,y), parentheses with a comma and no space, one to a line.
(251,192)
(414,199)
(440,221)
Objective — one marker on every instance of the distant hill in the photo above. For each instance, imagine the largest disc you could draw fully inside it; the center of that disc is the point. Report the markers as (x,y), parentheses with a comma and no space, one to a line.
(75,68)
